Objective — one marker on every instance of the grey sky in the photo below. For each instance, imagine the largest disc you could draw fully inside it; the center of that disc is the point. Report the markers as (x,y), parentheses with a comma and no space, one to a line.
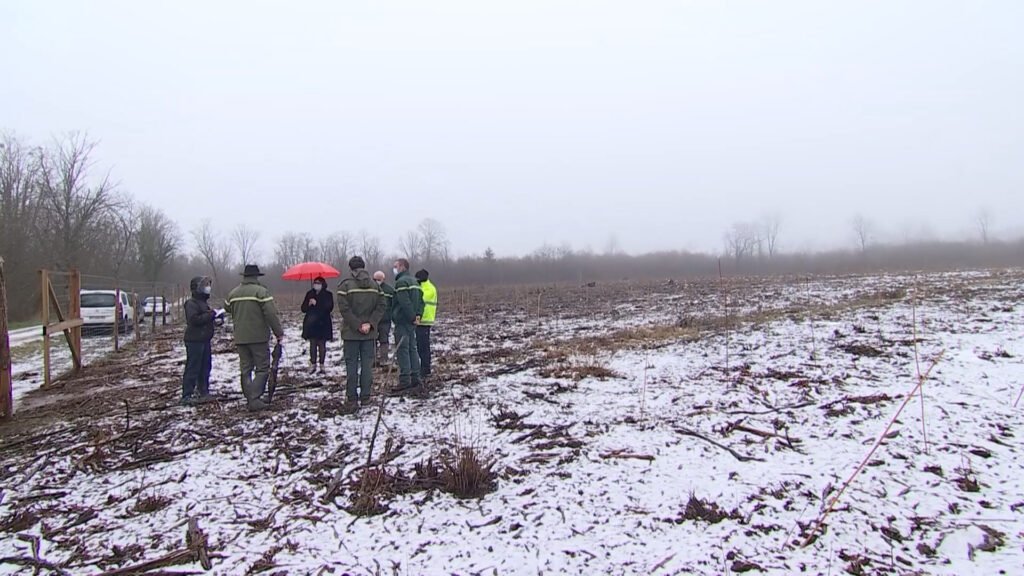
(521,123)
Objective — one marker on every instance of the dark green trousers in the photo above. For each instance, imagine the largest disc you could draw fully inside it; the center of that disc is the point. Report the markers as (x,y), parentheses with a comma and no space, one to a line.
(359,369)
(406,355)
(254,361)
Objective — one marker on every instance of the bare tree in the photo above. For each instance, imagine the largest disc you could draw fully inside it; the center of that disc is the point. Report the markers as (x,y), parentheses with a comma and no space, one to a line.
(73,207)
(213,249)
(123,224)
(411,245)
(612,246)
(984,221)
(546,253)
(245,239)
(770,225)
(336,248)
(19,215)
(158,241)
(371,250)
(433,241)
(863,230)
(741,241)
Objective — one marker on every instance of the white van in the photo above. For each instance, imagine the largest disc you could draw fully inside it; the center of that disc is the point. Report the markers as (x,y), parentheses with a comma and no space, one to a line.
(99,310)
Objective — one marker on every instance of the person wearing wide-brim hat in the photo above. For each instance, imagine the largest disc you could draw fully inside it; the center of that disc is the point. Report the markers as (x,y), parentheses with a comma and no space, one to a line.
(255,317)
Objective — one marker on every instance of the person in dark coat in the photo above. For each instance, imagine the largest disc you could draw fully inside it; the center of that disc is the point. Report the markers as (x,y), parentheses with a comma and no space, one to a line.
(384,328)
(361,304)
(317,326)
(201,321)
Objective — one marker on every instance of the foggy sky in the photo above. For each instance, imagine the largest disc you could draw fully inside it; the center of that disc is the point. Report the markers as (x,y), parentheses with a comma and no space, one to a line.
(531,122)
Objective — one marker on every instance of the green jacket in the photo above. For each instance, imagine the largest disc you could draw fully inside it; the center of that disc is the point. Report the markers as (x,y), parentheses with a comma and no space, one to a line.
(253,311)
(408,302)
(429,303)
(360,301)
(389,297)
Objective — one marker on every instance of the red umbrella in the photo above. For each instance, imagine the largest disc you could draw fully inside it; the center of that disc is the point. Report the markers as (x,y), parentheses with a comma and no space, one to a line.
(310,271)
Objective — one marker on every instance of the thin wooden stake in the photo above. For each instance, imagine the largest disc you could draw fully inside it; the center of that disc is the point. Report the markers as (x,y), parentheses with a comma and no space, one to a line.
(6,386)
(881,438)
(725,299)
(917,364)
(44,281)
(75,313)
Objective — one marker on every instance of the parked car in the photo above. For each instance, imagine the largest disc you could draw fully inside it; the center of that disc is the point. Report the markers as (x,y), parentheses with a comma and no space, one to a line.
(99,310)
(155,306)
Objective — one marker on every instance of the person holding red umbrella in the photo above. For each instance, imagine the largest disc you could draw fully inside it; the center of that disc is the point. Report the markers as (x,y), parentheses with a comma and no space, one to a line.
(317,326)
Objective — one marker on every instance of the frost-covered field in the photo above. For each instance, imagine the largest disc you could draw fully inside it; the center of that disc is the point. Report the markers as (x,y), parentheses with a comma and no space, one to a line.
(633,430)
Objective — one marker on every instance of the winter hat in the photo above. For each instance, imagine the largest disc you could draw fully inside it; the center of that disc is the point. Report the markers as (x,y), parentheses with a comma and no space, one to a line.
(251,270)
(356,263)
(422,275)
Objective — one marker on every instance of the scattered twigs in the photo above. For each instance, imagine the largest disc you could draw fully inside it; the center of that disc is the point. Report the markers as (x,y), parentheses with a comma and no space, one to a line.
(196,550)
(490,522)
(738,426)
(811,535)
(737,455)
(127,418)
(380,409)
(623,455)
(662,564)
(35,563)
(770,411)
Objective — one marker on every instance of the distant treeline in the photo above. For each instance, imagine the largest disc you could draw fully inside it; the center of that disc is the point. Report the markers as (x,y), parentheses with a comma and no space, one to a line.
(58,211)
(582,268)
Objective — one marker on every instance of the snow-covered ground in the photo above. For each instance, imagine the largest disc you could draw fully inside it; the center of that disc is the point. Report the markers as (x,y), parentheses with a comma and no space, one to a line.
(708,450)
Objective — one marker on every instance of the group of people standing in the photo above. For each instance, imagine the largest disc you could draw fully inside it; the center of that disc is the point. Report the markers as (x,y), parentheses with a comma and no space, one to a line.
(370,310)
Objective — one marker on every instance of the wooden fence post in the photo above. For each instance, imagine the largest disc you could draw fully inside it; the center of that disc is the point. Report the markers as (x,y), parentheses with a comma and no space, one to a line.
(135,316)
(6,388)
(152,322)
(117,314)
(75,313)
(44,293)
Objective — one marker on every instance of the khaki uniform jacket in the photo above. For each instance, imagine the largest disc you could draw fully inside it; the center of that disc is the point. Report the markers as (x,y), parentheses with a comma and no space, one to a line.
(360,301)
(253,311)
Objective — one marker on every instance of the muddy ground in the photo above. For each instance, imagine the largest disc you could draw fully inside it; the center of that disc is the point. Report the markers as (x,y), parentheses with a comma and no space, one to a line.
(737,409)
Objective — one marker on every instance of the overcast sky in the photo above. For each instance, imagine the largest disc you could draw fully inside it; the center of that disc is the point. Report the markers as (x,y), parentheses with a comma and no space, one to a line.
(520,123)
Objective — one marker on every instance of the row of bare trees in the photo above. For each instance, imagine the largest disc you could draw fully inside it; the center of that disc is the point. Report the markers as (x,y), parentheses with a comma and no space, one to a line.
(759,239)
(57,209)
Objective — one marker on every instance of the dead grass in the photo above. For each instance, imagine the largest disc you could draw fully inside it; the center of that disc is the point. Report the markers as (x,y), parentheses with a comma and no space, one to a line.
(19,521)
(151,504)
(369,491)
(467,473)
(698,510)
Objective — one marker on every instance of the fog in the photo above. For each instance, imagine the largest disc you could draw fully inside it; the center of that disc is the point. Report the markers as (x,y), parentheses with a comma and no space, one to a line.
(658,124)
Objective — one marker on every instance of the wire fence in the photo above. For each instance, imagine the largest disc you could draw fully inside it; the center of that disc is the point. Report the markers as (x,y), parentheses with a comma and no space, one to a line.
(86,317)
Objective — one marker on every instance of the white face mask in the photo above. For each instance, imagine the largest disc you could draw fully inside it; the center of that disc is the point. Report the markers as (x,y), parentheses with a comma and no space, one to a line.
(318,287)
(207,290)
(395,270)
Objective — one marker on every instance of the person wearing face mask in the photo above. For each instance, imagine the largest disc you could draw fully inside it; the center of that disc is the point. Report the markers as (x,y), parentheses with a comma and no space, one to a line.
(317,326)
(384,328)
(201,322)
(426,323)
(406,309)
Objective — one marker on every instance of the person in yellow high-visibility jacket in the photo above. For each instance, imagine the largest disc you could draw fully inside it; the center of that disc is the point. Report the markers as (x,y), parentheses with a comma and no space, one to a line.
(426,321)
